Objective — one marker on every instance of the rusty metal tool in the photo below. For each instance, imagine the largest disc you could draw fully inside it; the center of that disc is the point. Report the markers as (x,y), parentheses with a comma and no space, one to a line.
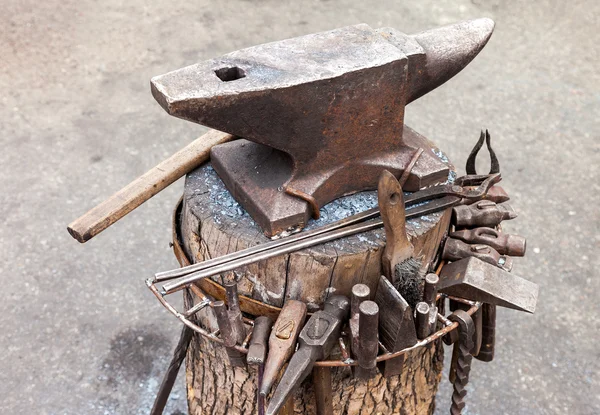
(368,340)
(282,341)
(315,342)
(494,163)
(396,325)
(422,320)
(464,347)
(430,297)
(397,260)
(318,125)
(257,348)
(479,281)
(229,334)
(360,293)
(455,249)
(482,213)
(488,333)
(257,352)
(495,194)
(505,244)
(146,186)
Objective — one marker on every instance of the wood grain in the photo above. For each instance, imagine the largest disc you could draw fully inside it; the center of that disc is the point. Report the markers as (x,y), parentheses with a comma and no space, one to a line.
(144,187)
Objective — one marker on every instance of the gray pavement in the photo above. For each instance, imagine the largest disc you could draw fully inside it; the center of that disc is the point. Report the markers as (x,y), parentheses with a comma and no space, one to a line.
(80,333)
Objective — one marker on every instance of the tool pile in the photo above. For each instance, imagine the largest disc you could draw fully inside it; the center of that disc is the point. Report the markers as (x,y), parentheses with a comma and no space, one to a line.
(406,311)
(322,116)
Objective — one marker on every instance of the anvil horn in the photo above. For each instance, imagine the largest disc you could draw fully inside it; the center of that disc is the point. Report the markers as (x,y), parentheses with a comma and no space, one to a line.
(448,50)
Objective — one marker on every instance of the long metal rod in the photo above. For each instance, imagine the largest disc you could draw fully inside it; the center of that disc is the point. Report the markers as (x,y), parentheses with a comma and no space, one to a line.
(431,207)
(350,220)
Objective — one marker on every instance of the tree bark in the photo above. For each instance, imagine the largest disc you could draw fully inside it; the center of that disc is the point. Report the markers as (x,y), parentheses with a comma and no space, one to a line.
(212,224)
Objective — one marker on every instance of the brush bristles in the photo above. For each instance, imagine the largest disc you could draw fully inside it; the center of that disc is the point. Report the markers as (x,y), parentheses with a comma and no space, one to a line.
(409,282)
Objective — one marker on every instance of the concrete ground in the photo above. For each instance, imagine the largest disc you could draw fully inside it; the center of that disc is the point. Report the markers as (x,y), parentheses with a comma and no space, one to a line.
(80,333)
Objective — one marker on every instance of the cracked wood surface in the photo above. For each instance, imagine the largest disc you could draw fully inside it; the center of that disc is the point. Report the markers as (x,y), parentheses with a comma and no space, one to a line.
(214,387)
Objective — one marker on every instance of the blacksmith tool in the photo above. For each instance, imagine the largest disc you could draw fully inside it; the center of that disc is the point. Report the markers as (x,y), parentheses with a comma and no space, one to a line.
(488,333)
(257,348)
(368,340)
(360,293)
(455,249)
(479,281)
(282,341)
(505,244)
(439,197)
(257,352)
(422,320)
(316,340)
(229,334)
(464,347)
(396,325)
(495,194)
(398,262)
(318,125)
(430,297)
(482,213)
(146,186)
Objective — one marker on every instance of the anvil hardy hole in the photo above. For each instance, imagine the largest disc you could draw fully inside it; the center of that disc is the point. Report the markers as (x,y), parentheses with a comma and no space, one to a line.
(230,74)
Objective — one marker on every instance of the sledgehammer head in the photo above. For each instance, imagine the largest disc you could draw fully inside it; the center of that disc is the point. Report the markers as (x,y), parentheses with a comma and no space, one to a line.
(476,280)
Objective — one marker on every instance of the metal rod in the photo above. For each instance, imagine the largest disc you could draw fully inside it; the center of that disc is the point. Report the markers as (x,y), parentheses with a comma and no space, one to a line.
(411,199)
(260,255)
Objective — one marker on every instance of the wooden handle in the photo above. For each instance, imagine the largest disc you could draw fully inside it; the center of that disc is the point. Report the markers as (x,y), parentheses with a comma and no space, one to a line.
(391,207)
(144,187)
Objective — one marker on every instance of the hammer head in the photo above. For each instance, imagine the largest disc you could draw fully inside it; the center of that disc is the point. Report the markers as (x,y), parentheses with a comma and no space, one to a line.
(324,113)
(479,281)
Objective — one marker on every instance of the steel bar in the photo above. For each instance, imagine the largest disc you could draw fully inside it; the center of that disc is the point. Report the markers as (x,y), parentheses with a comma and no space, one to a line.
(434,206)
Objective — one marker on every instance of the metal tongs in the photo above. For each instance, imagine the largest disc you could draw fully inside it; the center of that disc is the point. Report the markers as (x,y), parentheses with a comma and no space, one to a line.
(466,189)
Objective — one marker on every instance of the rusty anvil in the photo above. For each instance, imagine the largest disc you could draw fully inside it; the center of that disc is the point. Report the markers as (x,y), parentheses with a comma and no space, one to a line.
(320,115)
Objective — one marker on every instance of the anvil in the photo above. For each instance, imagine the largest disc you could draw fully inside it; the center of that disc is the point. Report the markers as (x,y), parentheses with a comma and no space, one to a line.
(320,116)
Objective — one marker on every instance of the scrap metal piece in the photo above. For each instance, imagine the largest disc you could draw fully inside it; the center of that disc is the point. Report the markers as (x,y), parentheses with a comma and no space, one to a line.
(316,340)
(323,113)
(479,281)
(368,340)
(482,213)
(396,325)
(504,243)
(464,349)
(488,333)
(257,349)
(282,341)
(455,249)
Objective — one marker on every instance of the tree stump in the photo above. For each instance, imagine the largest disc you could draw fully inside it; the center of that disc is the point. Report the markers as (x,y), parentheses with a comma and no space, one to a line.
(212,224)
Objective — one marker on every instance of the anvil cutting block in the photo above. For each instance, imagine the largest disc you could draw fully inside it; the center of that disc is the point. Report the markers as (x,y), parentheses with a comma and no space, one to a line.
(320,115)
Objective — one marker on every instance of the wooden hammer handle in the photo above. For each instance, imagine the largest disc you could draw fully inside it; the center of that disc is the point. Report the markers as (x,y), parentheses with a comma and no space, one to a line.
(144,187)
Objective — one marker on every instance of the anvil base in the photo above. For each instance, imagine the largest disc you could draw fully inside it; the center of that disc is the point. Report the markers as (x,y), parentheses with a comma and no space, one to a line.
(256,174)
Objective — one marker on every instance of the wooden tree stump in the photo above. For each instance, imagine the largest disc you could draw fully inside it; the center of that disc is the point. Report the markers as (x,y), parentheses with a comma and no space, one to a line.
(213,224)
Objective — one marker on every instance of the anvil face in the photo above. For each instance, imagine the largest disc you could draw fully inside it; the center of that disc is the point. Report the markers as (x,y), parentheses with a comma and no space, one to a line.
(325,113)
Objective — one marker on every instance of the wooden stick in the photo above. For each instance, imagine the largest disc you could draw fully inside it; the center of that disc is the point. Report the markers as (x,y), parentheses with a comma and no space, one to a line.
(144,187)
